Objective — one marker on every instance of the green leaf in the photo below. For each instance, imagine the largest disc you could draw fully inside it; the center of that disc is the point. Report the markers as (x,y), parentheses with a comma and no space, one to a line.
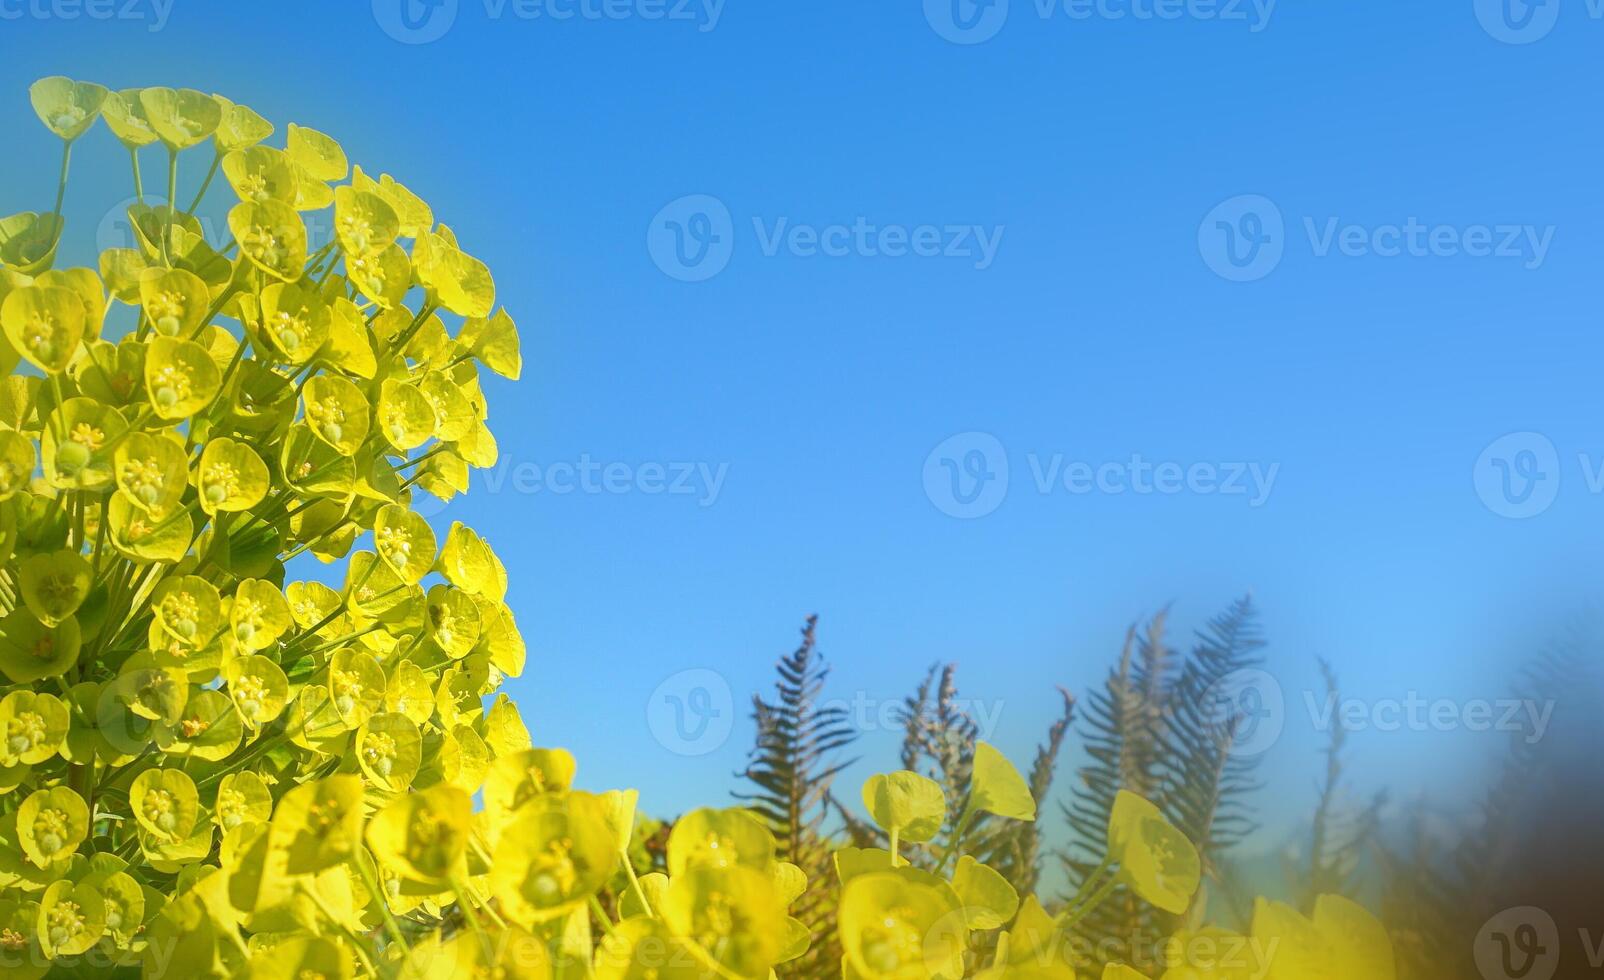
(905,803)
(989,900)
(997,787)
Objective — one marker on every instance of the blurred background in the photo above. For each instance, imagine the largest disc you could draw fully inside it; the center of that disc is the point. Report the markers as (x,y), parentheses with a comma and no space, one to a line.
(985,332)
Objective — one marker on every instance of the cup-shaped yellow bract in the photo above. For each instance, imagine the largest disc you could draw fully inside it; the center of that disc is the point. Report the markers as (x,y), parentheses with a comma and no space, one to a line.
(45,324)
(732,914)
(144,537)
(458,281)
(356,686)
(51,823)
(30,650)
(124,903)
(239,127)
(209,729)
(259,614)
(28,241)
(1155,859)
(295,321)
(718,839)
(996,787)
(405,417)
(17,460)
(271,235)
(423,837)
(180,377)
(152,471)
(337,412)
(643,948)
(189,608)
(72,918)
(66,107)
(259,174)
(495,342)
(364,222)
(32,727)
(300,958)
(517,778)
(54,584)
(318,825)
(389,751)
(166,804)
(231,477)
(124,113)
(78,444)
(405,541)
(182,117)
(468,563)
(258,688)
(555,854)
(316,153)
(1341,940)
(896,925)
(906,804)
(175,301)
(453,621)
(242,798)
(989,900)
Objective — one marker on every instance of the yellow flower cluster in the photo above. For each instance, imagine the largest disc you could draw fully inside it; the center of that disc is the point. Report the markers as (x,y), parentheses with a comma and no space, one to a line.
(208,769)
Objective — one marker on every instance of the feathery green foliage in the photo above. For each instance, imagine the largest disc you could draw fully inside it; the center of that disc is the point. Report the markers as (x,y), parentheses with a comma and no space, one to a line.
(792,767)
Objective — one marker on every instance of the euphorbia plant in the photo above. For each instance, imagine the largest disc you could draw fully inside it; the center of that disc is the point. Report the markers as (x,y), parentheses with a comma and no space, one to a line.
(211,765)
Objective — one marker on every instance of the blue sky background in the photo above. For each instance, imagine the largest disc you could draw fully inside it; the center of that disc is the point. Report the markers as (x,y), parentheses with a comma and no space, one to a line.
(824,383)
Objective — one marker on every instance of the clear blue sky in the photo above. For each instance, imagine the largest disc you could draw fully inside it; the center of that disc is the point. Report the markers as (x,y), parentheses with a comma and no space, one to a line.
(819,385)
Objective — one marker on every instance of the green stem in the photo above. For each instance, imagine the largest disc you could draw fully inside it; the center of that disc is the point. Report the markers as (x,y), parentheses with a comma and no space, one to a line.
(1091,880)
(634,883)
(370,880)
(217,158)
(172,195)
(1072,916)
(601,913)
(61,185)
(957,836)
(139,183)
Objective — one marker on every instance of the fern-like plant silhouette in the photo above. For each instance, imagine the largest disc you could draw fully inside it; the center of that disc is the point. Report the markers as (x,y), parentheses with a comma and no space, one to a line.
(792,766)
